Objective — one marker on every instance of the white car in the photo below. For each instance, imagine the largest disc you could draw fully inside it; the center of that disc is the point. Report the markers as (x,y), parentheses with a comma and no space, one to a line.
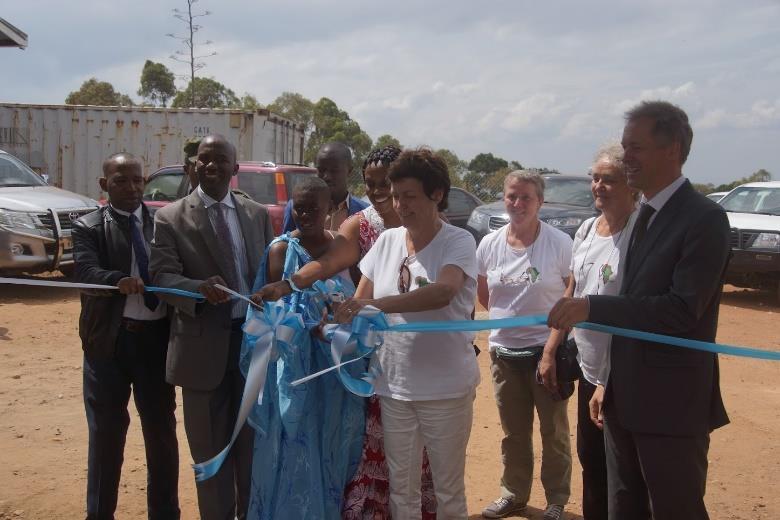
(716,195)
(754,215)
(35,220)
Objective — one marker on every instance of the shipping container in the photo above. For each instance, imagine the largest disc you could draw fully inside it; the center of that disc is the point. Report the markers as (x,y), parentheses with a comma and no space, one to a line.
(68,143)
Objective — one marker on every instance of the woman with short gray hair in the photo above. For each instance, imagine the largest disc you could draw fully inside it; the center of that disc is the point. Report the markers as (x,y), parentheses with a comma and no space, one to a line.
(523,269)
(598,255)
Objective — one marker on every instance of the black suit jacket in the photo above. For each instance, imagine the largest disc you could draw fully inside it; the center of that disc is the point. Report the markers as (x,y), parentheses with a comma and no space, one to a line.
(672,286)
(102,252)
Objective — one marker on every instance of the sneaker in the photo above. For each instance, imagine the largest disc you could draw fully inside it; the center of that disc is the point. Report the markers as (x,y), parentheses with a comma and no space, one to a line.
(553,512)
(503,507)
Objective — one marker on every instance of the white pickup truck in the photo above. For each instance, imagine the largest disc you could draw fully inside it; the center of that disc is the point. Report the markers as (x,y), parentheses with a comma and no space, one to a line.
(35,220)
(754,215)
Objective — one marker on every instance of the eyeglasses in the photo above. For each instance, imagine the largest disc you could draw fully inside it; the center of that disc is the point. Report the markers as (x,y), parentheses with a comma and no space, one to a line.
(404,277)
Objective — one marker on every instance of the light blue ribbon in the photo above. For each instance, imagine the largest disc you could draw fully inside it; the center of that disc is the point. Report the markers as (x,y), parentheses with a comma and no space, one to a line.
(265,331)
(175,292)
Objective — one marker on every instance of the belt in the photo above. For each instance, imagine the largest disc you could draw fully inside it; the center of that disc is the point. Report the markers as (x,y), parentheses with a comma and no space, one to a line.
(131,325)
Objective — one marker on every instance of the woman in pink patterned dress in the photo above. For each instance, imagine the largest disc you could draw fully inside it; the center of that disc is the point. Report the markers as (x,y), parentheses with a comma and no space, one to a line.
(367,495)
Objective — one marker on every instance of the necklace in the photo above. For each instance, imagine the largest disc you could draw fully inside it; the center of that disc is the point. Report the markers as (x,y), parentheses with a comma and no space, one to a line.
(531,274)
(606,270)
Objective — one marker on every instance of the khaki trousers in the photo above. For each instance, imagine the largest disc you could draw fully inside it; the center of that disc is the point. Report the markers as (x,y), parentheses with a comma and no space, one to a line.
(517,394)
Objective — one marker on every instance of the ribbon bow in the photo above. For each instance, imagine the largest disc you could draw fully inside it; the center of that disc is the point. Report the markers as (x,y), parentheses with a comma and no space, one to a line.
(359,340)
(266,332)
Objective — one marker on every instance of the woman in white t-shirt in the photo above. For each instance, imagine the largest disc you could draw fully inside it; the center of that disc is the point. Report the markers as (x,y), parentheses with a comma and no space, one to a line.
(523,270)
(424,270)
(598,255)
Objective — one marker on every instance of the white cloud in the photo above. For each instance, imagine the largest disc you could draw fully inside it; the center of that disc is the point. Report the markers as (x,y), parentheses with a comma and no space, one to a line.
(762,113)
(665,93)
(539,108)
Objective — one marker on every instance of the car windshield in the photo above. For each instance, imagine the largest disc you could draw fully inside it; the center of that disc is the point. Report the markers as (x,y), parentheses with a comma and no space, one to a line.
(14,172)
(567,191)
(163,187)
(260,187)
(753,199)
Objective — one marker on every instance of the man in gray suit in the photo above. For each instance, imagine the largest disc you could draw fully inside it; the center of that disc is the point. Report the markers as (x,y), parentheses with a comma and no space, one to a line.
(211,237)
(661,402)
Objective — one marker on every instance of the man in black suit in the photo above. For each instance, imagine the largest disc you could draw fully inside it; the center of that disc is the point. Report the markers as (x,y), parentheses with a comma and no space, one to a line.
(124,335)
(661,402)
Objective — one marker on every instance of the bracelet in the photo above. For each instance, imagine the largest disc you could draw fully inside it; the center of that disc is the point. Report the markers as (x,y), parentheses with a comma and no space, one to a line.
(292,284)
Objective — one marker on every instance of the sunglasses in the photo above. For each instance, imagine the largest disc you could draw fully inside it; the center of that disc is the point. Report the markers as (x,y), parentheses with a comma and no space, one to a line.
(404,277)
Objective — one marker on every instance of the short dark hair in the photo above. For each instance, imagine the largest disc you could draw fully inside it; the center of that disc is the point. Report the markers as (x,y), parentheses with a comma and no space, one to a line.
(425,166)
(338,149)
(670,123)
(311,183)
(383,156)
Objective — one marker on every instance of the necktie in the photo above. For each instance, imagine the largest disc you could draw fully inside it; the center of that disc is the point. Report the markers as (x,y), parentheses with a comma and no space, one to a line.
(225,241)
(640,229)
(142,259)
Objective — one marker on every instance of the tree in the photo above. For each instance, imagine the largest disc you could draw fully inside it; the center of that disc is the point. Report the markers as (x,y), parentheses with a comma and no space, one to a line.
(157,83)
(189,55)
(296,108)
(250,102)
(207,93)
(387,140)
(457,167)
(100,93)
(759,176)
(487,163)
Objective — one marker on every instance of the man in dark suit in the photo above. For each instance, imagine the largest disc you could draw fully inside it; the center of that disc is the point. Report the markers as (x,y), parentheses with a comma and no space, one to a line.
(661,402)
(124,334)
(211,237)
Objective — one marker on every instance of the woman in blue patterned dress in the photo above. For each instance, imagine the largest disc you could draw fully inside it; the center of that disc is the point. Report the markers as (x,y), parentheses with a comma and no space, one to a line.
(308,438)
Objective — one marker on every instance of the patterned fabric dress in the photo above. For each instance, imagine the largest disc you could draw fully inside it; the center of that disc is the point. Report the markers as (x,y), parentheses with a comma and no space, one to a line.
(367,496)
(308,438)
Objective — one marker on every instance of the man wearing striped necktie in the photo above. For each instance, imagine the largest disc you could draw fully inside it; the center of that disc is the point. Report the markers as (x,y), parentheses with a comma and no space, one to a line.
(211,237)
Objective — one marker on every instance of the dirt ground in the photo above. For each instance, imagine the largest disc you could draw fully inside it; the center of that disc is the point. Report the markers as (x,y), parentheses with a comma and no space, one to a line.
(43,437)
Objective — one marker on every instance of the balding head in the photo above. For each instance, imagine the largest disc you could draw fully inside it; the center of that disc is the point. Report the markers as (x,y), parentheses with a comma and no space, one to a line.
(123,159)
(215,166)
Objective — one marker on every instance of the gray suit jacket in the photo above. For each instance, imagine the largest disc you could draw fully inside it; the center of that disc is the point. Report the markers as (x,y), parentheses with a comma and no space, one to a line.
(672,286)
(185,252)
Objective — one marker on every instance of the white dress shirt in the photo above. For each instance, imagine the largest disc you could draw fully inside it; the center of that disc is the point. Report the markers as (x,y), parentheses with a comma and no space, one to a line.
(236,244)
(135,308)
(662,197)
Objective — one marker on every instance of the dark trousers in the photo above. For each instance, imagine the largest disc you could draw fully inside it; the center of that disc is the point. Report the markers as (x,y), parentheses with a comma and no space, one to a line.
(593,459)
(209,418)
(654,476)
(138,363)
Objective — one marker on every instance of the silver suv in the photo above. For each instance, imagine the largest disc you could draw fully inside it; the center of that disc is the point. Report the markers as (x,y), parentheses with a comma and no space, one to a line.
(35,220)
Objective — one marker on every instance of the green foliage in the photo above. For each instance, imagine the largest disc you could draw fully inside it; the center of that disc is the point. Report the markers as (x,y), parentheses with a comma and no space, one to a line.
(157,83)
(99,93)
(455,166)
(296,108)
(331,124)
(759,176)
(486,163)
(387,140)
(208,93)
(250,102)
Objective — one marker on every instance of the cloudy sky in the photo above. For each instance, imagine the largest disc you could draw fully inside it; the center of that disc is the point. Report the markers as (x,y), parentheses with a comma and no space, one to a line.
(543,83)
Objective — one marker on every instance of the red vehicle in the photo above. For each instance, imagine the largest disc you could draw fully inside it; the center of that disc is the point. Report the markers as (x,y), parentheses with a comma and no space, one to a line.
(264,182)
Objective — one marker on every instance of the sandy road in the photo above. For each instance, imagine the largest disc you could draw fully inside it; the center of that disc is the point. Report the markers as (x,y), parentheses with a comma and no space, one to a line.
(43,429)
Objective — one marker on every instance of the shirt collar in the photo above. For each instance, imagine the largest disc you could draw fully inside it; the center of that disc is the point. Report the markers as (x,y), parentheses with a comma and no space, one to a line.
(343,204)
(208,201)
(662,197)
(138,212)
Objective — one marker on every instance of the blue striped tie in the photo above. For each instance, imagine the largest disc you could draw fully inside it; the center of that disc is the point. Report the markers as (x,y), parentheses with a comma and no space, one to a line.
(142,259)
